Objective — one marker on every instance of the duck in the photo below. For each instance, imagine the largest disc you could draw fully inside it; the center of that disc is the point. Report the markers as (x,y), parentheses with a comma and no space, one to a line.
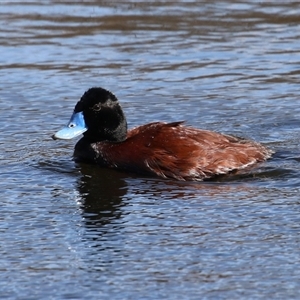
(170,150)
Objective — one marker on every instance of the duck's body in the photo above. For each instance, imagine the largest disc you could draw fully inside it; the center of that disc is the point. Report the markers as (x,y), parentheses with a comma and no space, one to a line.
(168,150)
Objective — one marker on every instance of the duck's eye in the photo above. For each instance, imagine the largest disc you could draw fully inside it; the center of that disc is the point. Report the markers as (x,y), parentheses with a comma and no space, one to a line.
(97,107)
(71,125)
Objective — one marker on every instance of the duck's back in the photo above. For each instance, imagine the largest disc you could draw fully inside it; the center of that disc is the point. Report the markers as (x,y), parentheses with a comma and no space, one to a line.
(172,150)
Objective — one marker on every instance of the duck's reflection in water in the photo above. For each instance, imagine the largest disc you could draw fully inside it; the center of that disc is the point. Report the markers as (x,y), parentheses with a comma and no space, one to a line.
(105,192)
(101,192)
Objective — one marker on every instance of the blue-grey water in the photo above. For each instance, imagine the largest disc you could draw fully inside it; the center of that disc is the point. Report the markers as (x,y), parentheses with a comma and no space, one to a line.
(76,231)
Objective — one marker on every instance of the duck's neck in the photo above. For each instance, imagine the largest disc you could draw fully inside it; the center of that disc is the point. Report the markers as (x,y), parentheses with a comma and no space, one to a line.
(117,134)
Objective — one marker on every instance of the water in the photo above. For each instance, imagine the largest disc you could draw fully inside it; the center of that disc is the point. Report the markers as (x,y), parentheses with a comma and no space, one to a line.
(72,231)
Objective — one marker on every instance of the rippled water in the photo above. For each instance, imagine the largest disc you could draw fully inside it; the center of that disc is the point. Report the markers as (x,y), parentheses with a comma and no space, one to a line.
(73,231)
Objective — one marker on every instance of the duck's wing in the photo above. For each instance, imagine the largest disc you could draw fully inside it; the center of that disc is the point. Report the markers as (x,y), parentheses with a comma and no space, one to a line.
(187,153)
(173,150)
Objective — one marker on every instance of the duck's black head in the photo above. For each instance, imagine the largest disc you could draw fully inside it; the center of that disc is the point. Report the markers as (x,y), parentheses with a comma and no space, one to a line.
(99,116)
